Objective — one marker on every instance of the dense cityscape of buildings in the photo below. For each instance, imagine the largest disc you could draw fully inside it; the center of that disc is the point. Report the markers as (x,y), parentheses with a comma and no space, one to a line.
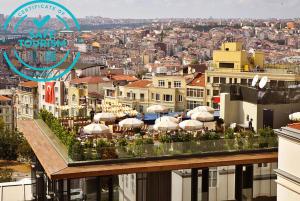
(246,71)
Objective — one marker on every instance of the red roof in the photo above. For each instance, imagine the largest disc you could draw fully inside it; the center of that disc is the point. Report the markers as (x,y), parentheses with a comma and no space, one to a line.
(128,78)
(90,80)
(198,81)
(4,98)
(140,84)
(29,84)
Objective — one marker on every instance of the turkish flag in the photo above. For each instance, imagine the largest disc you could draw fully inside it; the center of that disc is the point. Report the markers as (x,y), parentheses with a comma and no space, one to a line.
(49,92)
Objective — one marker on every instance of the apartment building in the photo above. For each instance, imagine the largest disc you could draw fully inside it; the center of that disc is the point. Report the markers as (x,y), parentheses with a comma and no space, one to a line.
(232,65)
(27,100)
(288,175)
(85,94)
(195,92)
(7,112)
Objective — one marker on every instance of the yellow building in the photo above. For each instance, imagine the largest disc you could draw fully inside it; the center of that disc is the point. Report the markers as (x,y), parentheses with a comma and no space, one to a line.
(232,65)
(232,57)
(27,100)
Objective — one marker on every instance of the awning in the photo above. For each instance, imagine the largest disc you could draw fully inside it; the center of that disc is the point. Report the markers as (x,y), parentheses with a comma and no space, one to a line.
(216,99)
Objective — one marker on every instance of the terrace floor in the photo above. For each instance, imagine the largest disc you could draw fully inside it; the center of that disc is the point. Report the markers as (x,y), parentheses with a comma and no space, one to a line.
(54,158)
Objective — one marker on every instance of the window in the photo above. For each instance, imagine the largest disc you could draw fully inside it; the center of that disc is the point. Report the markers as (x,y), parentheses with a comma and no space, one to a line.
(1,111)
(212,179)
(223,80)
(260,165)
(226,65)
(208,79)
(244,81)
(43,97)
(120,93)
(216,93)
(208,92)
(152,96)
(230,80)
(74,98)
(128,95)
(216,80)
(43,86)
(169,85)
(133,96)
(199,93)
(56,89)
(193,104)
(142,96)
(158,97)
(168,98)
(180,98)
(109,93)
(161,83)
(177,84)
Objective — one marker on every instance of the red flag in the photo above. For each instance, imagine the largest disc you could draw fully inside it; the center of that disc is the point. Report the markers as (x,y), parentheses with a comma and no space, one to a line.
(49,92)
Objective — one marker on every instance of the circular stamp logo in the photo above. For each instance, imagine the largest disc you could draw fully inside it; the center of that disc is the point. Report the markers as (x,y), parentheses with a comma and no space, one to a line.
(45,53)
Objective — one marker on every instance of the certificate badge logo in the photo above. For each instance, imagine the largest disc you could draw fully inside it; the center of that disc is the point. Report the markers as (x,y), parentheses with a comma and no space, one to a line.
(43,41)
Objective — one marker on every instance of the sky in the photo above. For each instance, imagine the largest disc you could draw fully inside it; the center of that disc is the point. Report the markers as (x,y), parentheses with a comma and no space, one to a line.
(151,9)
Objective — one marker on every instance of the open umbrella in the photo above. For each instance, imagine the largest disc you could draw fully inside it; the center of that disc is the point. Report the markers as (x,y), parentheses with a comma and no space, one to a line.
(157,109)
(191,125)
(105,117)
(166,126)
(131,123)
(203,116)
(166,119)
(295,116)
(96,129)
(201,109)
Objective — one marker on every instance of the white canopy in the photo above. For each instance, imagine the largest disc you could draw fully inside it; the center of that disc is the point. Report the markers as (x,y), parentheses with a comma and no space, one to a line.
(201,109)
(166,126)
(191,125)
(131,123)
(295,116)
(203,116)
(166,119)
(157,109)
(96,129)
(104,117)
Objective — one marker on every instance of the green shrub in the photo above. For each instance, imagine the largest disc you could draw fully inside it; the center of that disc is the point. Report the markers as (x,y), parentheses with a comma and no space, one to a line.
(266,132)
(229,133)
(165,139)
(122,142)
(6,175)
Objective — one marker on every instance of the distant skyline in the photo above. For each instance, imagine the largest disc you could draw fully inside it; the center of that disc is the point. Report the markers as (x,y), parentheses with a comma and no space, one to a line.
(150,9)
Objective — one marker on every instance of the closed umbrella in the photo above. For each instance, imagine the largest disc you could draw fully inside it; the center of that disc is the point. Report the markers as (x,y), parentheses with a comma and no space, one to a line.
(166,119)
(295,116)
(166,126)
(157,109)
(105,117)
(96,129)
(191,125)
(131,123)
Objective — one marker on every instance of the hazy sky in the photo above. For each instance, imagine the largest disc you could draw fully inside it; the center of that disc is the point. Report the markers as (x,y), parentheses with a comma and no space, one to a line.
(175,8)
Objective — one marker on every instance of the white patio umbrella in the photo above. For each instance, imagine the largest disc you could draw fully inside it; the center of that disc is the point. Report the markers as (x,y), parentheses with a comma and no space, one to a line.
(105,117)
(166,119)
(96,129)
(157,109)
(201,109)
(295,116)
(203,116)
(166,126)
(131,123)
(191,125)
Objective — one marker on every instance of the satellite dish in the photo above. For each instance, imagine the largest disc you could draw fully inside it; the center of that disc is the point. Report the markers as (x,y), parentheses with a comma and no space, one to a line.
(263,82)
(255,80)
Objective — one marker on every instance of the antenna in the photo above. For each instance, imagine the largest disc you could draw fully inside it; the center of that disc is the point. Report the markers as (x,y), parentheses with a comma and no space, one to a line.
(263,82)
(255,80)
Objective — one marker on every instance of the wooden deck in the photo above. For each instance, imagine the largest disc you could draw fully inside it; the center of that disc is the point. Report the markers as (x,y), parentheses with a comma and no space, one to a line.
(56,166)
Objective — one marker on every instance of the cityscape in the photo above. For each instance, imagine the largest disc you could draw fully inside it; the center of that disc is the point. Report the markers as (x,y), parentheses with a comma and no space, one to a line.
(134,105)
